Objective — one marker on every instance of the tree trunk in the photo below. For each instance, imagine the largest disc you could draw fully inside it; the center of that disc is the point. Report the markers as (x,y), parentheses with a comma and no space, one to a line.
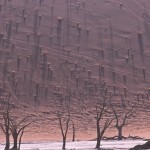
(120,132)
(73,136)
(20,140)
(7,146)
(15,137)
(64,143)
(98,143)
(98,136)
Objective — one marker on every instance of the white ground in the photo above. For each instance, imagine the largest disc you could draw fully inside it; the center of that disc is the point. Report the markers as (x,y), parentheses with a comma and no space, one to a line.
(84,145)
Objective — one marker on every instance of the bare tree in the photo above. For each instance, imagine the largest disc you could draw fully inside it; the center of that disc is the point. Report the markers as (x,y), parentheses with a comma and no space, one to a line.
(122,118)
(64,120)
(17,127)
(5,112)
(5,127)
(12,123)
(102,110)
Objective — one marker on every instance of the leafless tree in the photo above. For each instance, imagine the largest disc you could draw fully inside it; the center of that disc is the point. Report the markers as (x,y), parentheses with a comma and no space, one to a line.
(101,112)
(17,127)
(123,117)
(64,121)
(5,112)
(5,126)
(12,123)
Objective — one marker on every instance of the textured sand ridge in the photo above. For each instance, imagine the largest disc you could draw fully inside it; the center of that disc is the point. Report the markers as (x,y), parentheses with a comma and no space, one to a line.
(50,46)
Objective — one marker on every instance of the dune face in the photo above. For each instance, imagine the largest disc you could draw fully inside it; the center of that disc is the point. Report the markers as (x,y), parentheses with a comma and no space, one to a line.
(56,54)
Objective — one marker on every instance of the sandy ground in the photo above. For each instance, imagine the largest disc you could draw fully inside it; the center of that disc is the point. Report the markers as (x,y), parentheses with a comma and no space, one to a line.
(83,145)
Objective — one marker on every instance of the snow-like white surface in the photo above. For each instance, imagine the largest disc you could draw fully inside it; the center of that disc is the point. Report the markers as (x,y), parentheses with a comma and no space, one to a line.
(82,145)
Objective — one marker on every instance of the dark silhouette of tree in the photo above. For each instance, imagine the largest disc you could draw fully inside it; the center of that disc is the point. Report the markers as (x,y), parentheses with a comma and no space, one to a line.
(123,117)
(101,112)
(5,126)
(17,127)
(5,112)
(64,121)
(13,119)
